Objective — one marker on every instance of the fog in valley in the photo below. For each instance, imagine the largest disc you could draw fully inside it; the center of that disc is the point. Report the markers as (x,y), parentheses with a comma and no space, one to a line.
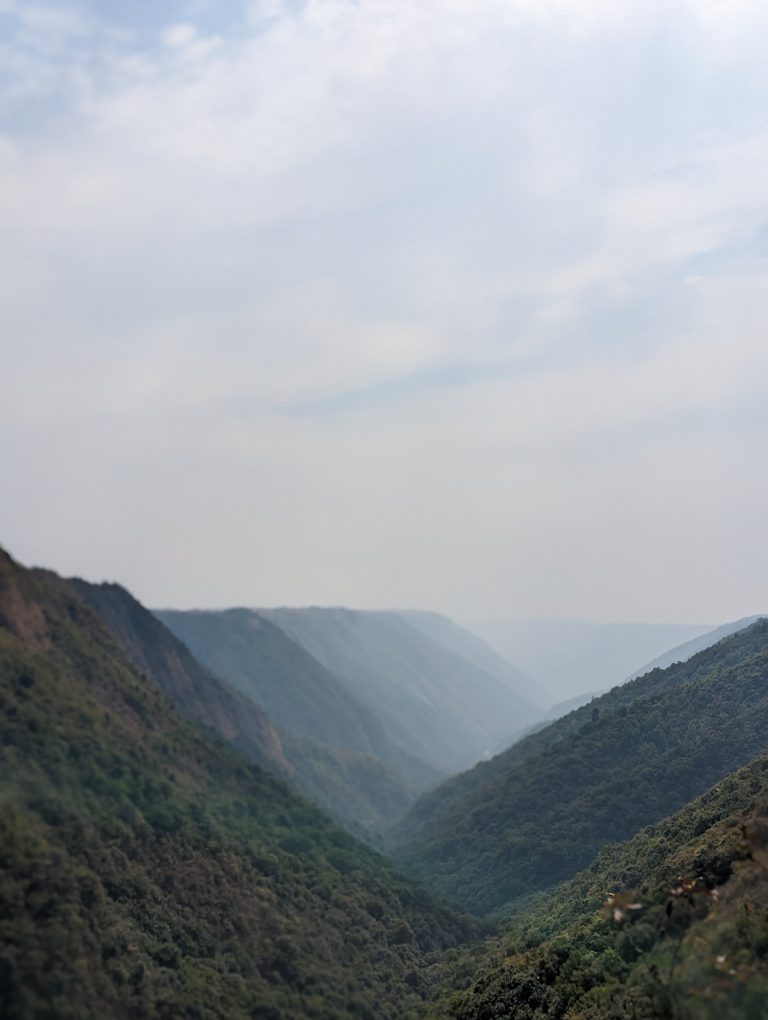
(382,533)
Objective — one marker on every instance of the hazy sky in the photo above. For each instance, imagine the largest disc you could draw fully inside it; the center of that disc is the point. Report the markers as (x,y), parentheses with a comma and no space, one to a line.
(458,304)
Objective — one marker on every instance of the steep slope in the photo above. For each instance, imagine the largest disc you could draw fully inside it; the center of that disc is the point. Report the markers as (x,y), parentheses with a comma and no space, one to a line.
(148,870)
(690,941)
(362,792)
(433,701)
(566,657)
(539,812)
(681,653)
(472,649)
(355,788)
(195,691)
(294,689)
(540,739)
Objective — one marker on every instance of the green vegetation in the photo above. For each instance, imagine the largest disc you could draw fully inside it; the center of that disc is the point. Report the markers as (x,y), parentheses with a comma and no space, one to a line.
(540,812)
(355,788)
(359,791)
(148,870)
(673,924)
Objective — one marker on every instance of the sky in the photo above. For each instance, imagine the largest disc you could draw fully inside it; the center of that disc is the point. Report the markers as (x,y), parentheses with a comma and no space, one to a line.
(457,304)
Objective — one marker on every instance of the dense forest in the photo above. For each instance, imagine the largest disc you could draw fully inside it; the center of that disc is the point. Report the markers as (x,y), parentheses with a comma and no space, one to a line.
(540,812)
(672,924)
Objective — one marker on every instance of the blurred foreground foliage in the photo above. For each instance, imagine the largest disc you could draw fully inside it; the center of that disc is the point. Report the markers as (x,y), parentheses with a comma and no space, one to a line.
(672,924)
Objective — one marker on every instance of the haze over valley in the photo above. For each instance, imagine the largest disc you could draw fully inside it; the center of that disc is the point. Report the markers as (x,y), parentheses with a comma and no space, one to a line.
(382,517)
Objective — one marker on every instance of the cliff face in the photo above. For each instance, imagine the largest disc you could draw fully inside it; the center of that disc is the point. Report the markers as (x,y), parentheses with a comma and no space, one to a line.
(21,617)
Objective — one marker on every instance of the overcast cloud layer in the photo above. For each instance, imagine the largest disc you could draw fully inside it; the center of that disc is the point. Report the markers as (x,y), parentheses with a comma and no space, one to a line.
(454,304)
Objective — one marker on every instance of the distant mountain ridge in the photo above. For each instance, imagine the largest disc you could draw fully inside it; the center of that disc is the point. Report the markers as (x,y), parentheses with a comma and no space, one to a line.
(681,653)
(295,689)
(432,700)
(565,658)
(472,648)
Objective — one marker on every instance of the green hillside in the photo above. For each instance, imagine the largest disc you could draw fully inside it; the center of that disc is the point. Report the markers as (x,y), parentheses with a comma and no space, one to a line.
(672,924)
(540,812)
(357,789)
(194,691)
(149,870)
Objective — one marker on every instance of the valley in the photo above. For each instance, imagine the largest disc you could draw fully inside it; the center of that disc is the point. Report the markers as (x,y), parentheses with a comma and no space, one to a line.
(221,814)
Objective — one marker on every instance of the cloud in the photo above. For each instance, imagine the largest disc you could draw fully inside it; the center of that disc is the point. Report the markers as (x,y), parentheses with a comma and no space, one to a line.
(332,260)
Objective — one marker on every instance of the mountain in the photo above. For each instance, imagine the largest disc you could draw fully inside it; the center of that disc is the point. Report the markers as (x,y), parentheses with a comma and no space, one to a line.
(434,702)
(150,870)
(562,708)
(565,658)
(356,788)
(670,924)
(471,648)
(681,653)
(195,691)
(295,690)
(539,812)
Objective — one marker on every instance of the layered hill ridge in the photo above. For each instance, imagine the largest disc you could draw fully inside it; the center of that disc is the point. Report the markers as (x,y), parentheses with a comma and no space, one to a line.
(432,700)
(538,813)
(473,649)
(295,690)
(355,788)
(151,871)
(568,657)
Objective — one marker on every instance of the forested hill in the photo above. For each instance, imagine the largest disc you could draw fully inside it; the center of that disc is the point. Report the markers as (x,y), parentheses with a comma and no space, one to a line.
(540,812)
(672,924)
(356,788)
(618,698)
(149,870)
(194,690)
